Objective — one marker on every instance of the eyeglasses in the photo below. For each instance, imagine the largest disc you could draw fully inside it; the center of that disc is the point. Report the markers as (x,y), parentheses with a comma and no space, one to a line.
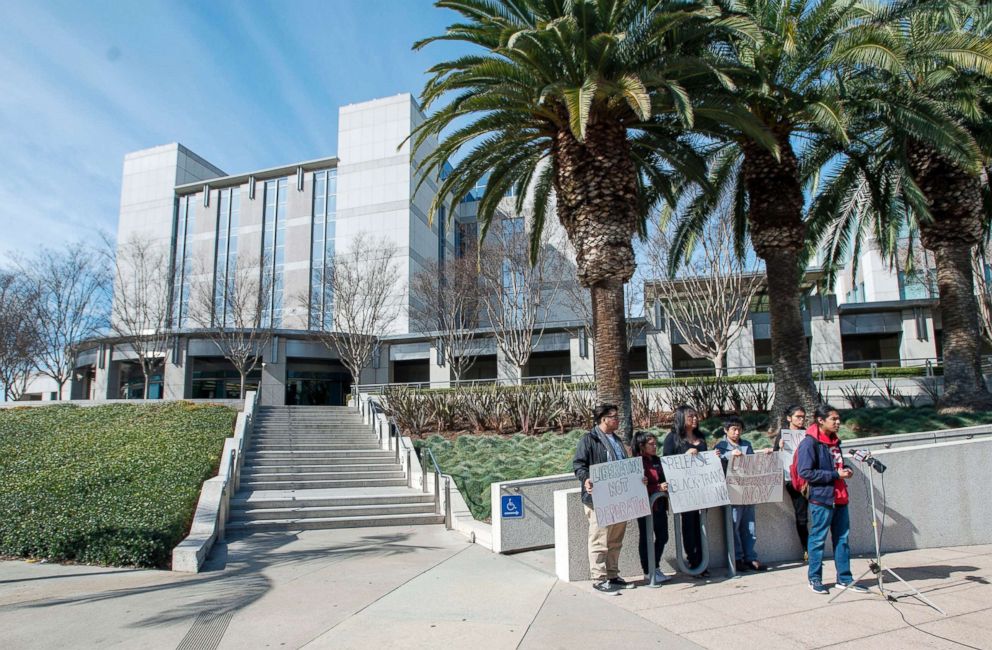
(611,417)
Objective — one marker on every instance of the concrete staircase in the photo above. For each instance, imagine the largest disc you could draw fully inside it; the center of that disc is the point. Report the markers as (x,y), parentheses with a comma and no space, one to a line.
(310,467)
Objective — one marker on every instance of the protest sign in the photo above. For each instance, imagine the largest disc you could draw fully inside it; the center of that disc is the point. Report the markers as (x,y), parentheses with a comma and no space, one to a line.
(788,446)
(618,493)
(695,481)
(754,478)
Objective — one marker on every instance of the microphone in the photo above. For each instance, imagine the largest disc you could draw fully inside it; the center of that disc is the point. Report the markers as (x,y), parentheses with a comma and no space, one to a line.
(860,454)
(864,456)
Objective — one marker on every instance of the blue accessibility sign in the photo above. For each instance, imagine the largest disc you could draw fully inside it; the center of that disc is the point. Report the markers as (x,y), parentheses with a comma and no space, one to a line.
(512,506)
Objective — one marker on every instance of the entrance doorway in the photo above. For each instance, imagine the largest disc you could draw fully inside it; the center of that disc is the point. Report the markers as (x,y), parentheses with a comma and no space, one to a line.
(315,384)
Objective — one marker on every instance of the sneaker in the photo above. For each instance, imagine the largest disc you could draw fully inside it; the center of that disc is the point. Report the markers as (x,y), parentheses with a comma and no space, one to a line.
(659,577)
(819,588)
(852,586)
(606,587)
(742,566)
(805,557)
(620,583)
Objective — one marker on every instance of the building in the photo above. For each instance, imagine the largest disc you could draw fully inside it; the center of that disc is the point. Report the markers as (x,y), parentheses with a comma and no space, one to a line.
(293,219)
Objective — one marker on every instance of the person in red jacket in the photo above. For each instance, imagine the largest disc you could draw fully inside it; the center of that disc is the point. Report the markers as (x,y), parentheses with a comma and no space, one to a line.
(646,446)
(820,463)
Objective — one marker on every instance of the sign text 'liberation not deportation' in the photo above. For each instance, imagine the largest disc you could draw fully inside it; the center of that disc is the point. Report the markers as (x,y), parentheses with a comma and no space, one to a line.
(695,481)
(618,491)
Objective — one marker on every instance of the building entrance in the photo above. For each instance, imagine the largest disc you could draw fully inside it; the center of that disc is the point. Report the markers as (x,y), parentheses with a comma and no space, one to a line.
(316,385)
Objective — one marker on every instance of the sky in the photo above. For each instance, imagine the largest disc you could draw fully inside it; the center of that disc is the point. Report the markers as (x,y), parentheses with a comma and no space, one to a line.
(245,84)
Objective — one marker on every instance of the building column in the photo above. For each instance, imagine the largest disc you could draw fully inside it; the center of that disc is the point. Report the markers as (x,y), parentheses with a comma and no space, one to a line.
(273,384)
(826,352)
(740,351)
(440,375)
(918,341)
(507,372)
(582,356)
(106,383)
(378,370)
(659,344)
(175,371)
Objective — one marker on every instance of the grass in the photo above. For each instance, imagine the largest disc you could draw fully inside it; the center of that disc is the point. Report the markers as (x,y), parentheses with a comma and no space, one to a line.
(109,485)
(477,461)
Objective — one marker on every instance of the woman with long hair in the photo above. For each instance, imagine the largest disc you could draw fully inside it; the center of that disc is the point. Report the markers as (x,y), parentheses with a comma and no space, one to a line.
(795,418)
(687,438)
(645,445)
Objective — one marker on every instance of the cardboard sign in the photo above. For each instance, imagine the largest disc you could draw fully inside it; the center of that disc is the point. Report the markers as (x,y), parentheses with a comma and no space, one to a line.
(618,493)
(788,445)
(695,482)
(754,478)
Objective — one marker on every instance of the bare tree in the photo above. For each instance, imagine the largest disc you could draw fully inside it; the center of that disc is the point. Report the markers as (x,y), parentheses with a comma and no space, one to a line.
(357,303)
(19,335)
(709,298)
(140,314)
(72,302)
(447,307)
(519,297)
(229,304)
(578,300)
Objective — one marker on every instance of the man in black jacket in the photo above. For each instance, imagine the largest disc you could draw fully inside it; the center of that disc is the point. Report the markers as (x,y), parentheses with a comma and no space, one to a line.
(601,445)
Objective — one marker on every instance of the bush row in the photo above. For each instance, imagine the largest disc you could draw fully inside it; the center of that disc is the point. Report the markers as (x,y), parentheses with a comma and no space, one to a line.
(110,485)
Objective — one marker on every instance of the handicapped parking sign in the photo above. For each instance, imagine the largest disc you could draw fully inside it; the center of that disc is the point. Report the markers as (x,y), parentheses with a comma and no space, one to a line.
(512,506)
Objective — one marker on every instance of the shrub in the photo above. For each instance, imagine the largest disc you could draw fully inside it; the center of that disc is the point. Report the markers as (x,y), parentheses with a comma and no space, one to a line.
(113,485)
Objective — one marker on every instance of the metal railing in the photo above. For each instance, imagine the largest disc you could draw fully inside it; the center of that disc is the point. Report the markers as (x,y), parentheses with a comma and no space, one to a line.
(427,454)
(929,365)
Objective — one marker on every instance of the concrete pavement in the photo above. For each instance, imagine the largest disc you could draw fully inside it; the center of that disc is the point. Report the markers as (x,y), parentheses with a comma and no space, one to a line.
(413,587)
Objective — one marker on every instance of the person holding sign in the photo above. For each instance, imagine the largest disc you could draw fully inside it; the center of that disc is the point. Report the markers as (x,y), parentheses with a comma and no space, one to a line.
(646,446)
(795,418)
(687,438)
(601,445)
(820,463)
(733,446)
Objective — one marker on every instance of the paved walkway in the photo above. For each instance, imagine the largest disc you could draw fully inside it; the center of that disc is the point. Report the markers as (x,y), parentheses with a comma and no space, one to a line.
(418,587)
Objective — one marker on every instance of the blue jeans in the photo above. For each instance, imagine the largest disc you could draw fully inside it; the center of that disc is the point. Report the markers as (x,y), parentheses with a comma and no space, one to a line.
(744,537)
(838,522)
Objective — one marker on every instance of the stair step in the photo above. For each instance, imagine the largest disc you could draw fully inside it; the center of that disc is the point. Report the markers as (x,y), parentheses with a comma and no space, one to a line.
(340,455)
(251,502)
(316,446)
(308,465)
(252,484)
(336,522)
(373,510)
(322,471)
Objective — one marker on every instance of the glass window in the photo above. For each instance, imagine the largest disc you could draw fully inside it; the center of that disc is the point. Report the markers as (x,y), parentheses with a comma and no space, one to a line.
(325,184)
(274,249)
(226,255)
(182,249)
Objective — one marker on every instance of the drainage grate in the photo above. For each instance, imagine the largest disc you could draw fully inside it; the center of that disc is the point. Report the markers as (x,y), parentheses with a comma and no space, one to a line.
(206,632)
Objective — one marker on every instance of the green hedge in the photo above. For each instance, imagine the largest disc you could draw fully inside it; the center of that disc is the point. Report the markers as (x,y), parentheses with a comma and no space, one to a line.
(110,485)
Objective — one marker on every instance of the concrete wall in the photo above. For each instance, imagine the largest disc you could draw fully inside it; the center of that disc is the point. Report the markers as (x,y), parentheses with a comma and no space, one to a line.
(536,529)
(931,502)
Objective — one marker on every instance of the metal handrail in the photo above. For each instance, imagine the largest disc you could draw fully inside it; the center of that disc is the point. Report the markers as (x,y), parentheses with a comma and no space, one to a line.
(428,454)
(680,549)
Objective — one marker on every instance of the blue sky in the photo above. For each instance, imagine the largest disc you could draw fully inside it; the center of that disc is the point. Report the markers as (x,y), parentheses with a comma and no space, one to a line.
(246,85)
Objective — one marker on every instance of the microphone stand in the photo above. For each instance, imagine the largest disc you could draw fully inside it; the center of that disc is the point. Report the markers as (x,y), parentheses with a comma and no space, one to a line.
(876,566)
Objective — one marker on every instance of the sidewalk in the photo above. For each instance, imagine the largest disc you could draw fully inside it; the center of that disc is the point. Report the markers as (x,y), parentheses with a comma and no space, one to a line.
(418,587)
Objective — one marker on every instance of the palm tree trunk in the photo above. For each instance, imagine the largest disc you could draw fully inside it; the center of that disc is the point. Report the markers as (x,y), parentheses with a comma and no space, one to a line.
(778,235)
(955,198)
(964,385)
(611,362)
(596,189)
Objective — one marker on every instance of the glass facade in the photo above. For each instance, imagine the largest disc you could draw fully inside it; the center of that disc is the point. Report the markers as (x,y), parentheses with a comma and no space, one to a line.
(226,255)
(274,250)
(325,195)
(182,248)
(916,285)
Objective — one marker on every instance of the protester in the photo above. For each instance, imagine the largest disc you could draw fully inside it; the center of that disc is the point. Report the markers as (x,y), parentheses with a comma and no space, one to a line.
(601,445)
(732,446)
(687,438)
(646,446)
(819,462)
(795,419)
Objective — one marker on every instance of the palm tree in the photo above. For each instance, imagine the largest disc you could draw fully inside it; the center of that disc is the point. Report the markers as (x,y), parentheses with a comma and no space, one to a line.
(788,87)
(591,100)
(918,85)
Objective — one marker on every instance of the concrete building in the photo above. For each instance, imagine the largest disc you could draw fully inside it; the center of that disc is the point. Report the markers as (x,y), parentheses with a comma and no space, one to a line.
(290,221)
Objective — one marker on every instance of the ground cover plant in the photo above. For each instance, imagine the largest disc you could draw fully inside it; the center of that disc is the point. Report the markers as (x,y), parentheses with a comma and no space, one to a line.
(110,485)
(476,461)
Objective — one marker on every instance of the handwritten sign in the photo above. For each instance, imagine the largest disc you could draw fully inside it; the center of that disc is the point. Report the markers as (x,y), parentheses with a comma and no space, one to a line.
(754,478)
(618,493)
(788,446)
(695,482)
